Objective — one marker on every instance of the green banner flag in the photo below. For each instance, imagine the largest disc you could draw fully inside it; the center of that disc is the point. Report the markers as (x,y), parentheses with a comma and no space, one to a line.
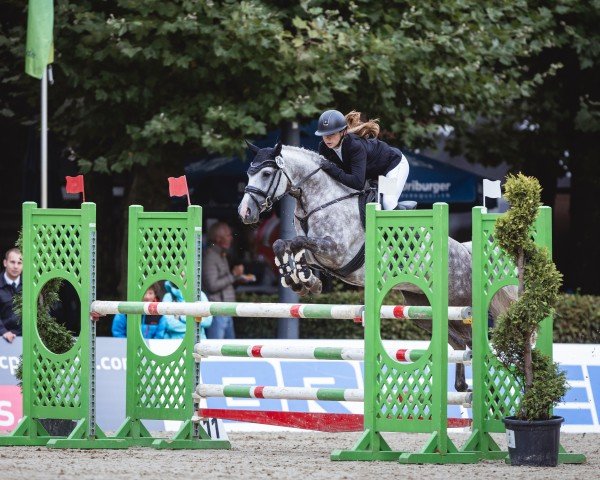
(39,51)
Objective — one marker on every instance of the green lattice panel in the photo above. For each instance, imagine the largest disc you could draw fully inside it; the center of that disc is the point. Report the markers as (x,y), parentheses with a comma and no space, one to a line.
(403,393)
(497,266)
(57,243)
(57,383)
(57,379)
(405,251)
(56,249)
(162,383)
(501,391)
(405,254)
(502,395)
(162,246)
(161,252)
(496,392)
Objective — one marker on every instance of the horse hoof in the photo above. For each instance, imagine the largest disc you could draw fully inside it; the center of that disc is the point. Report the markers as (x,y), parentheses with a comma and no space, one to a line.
(316,288)
(304,291)
(300,289)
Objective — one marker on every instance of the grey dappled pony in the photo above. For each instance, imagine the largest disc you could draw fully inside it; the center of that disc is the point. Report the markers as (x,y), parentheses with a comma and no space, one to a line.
(334,234)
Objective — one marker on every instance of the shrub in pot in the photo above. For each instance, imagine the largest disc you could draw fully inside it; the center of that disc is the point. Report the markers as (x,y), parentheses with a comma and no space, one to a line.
(533,433)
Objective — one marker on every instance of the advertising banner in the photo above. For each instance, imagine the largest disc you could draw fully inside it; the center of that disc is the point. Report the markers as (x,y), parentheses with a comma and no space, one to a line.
(581,406)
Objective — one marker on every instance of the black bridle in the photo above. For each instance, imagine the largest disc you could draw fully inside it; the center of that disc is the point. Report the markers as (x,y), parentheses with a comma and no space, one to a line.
(268,195)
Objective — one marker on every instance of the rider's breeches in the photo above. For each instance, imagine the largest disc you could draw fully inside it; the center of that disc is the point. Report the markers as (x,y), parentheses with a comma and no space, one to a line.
(399,174)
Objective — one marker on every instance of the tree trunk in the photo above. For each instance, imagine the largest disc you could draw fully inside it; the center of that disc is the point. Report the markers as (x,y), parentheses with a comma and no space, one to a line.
(521,271)
(528,362)
(527,353)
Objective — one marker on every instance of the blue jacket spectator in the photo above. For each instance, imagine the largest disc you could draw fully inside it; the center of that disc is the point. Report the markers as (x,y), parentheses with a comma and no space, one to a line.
(153,326)
(176,324)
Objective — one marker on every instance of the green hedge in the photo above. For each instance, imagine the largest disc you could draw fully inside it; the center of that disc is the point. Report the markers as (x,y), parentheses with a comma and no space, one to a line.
(577,320)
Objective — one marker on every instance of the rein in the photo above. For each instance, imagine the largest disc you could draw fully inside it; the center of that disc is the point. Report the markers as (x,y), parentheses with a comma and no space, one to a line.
(304,220)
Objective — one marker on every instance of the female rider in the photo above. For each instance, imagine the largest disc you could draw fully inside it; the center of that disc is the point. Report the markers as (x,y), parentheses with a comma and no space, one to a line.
(355,154)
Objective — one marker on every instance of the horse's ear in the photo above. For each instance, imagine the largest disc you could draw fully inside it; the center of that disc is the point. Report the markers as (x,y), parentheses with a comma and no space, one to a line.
(277,151)
(253,148)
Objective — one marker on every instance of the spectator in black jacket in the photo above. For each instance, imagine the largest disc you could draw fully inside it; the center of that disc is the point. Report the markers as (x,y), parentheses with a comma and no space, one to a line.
(355,154)
(10,284)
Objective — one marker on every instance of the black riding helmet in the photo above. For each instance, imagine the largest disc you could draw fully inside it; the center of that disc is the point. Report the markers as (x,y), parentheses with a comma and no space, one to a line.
(330,122)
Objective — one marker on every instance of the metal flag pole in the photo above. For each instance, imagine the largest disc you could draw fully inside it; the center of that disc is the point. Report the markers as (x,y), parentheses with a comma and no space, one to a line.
(44,140)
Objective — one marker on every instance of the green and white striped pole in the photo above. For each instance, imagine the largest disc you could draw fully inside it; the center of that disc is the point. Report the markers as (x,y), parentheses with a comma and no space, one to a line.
(300,393)
(202,350)
(271,310)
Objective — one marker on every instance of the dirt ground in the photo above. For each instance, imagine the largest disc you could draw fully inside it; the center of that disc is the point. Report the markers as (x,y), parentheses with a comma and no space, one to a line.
(280,455)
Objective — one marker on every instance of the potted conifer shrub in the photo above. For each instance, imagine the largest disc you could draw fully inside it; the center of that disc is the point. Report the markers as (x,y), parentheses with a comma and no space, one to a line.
(533,433)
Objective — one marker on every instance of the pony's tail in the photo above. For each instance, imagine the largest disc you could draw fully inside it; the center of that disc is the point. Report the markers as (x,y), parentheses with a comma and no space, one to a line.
(368,129)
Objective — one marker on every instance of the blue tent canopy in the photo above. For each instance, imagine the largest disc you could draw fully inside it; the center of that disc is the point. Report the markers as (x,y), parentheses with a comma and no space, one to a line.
(429,180)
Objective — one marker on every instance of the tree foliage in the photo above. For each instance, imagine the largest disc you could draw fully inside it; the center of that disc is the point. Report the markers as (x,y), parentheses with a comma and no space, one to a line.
(539,284)
(146,82)
(554,129)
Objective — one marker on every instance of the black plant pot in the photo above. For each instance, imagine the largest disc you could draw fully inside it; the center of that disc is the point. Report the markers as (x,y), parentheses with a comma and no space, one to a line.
(533,443)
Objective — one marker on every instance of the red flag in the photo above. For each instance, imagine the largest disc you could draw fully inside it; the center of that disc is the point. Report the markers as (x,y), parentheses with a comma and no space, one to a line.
(178,187)
(75,185)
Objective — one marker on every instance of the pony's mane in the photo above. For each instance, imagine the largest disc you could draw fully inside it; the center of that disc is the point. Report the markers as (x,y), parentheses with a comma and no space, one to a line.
(311,154)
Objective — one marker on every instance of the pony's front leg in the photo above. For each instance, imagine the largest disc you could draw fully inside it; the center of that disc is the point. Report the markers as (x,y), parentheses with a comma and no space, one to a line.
(284,260)
(325,246)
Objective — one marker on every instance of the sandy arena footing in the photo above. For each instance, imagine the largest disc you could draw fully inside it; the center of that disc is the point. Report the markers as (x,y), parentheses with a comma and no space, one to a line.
(278,455)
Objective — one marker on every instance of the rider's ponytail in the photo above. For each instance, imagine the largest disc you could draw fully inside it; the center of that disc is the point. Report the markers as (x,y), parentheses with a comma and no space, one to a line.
(369,129)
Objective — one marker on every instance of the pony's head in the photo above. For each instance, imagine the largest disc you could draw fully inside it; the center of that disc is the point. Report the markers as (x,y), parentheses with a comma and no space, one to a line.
(266,183)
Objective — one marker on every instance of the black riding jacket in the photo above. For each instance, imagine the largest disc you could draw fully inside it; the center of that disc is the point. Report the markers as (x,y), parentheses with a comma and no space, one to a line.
(363,159)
